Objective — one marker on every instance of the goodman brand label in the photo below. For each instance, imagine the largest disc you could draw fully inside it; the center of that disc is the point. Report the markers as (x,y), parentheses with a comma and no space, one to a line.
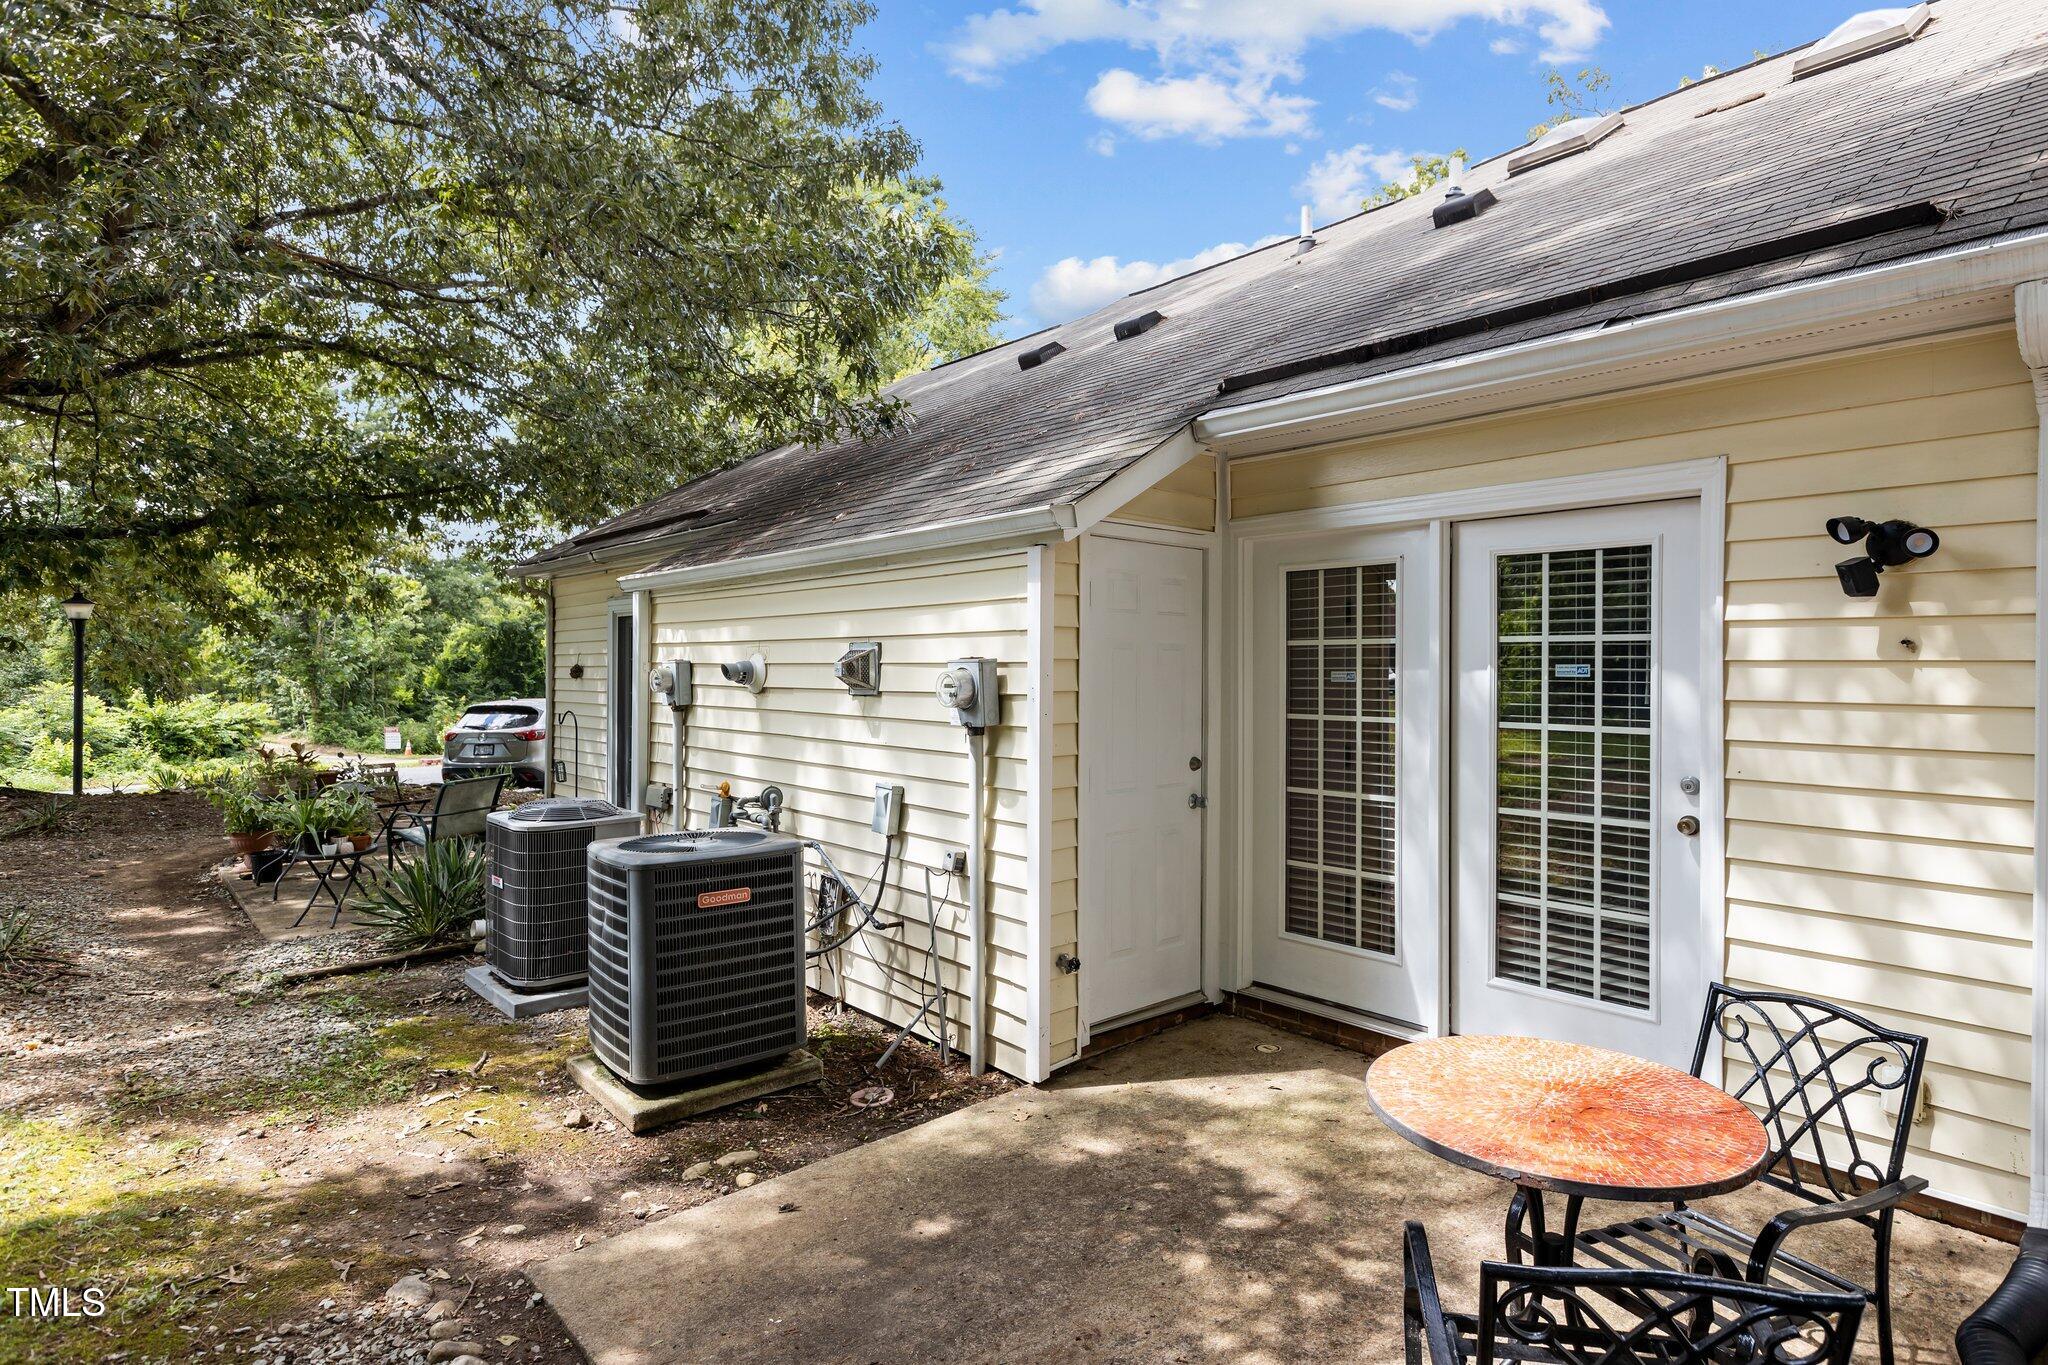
(737,895)
(497,881)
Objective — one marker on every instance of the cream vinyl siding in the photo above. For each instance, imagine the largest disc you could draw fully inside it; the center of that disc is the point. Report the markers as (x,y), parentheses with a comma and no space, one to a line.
(1064,797)
(582,636)
(1879,753)
(827,749)
(1184,500)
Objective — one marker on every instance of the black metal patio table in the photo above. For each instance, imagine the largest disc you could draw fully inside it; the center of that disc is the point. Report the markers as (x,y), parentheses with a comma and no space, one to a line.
(1567,1119)
(326,867)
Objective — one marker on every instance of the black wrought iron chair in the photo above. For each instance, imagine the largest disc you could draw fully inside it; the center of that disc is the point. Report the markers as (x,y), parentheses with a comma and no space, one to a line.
(1814,1072)
(459,811)
(1578,1315)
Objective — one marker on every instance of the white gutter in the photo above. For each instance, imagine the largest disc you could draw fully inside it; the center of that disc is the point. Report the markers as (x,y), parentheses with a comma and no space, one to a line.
(996,528)
(1961,287)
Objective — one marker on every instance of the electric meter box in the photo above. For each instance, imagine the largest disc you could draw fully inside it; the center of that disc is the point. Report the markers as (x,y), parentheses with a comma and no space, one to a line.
(671,683)
(971,689)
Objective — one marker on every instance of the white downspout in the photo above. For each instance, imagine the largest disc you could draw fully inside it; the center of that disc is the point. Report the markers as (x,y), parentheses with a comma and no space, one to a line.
(2030,308)
(643,720)
(977,909)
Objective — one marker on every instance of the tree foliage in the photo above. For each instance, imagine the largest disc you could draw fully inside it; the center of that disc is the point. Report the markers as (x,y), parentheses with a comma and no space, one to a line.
(1423,171)
(1575,96)
(279,278)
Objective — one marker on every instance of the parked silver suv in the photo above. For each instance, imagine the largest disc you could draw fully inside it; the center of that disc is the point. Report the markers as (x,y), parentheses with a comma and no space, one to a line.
(500,734)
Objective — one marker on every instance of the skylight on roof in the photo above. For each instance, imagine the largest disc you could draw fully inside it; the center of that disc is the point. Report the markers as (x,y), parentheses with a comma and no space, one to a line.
(1573,135)
(1860,35)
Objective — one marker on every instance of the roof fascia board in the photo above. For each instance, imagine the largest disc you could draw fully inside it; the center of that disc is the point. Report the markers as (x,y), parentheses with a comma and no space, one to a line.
(999,530)
(1943,291)
(1118,489)
(579,561)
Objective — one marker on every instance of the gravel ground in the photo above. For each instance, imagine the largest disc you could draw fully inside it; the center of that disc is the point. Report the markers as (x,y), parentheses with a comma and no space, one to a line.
(248,1170)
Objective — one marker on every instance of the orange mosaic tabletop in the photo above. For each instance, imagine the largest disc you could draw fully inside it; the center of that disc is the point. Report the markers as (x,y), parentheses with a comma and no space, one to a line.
(1566,1117)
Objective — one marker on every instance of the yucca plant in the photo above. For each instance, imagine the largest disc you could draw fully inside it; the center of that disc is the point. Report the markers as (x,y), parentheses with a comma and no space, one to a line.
(28,955)
(427,899)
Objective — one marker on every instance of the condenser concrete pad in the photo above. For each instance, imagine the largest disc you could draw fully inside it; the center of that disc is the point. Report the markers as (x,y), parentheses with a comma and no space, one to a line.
(644,1110)
(1191,1197)
(523,1004)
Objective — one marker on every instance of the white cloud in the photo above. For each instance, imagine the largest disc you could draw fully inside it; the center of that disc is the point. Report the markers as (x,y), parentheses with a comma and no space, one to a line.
(1338,182)
(1504,47)
(1203,107)
(1238,39)
(1397,92)
(1072,287)
(1102,144)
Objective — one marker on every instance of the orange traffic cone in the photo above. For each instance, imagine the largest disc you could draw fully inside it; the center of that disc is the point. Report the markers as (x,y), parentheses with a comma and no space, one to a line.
(408,748)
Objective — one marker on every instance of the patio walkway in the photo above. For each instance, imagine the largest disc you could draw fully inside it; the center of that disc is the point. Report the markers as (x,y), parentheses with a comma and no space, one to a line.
(1190,1197)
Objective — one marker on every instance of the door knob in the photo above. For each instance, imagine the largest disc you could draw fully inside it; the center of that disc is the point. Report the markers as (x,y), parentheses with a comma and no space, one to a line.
(1688,824)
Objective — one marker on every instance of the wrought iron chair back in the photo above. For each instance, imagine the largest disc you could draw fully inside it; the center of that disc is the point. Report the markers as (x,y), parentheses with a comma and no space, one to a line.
(1803,1064)
(1623,1317)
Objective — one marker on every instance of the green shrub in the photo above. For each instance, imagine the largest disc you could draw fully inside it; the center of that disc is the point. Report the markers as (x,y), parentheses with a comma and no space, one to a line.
(145,744)
(429,898)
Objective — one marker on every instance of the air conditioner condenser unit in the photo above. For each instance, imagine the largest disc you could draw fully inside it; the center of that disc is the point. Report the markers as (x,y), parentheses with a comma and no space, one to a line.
(696,952)
(536,898)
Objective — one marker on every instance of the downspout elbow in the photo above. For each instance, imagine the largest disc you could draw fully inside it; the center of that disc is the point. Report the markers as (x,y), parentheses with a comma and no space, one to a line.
(2011,1327)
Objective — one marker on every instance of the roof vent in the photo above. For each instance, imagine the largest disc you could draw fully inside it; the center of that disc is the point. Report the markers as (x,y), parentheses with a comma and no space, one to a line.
(1305,240)
(1038,355)
(1573,135)
(1458,206)
(1861,35)
(1139,325)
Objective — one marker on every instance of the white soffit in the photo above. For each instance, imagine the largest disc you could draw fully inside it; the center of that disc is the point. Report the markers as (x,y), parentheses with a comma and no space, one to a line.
(1860,35)
(1564,140)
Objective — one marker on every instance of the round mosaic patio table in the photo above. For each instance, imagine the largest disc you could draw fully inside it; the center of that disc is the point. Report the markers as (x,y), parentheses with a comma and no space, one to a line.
(1569,1119)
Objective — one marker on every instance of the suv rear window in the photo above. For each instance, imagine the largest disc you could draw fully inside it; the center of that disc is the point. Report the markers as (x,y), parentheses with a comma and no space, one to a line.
(498,718)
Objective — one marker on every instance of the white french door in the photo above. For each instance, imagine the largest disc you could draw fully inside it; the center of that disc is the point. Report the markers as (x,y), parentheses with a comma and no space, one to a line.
(1577,736)
(1346,907)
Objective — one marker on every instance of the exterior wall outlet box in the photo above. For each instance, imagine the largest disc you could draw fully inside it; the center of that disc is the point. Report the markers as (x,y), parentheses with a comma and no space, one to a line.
(888,821)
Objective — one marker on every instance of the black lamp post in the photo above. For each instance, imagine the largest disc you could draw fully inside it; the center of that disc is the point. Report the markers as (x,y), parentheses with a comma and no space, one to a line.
(78,610)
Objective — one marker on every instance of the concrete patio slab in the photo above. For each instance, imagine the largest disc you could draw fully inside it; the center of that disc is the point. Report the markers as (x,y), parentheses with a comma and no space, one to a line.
(273,918)
(1218,1192)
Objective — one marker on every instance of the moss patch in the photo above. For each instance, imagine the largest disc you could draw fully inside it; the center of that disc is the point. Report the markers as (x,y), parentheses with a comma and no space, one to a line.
(182,1261)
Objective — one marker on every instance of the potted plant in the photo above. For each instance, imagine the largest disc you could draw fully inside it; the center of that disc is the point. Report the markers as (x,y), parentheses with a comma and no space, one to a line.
(300,822)
(349,814)
(244,814)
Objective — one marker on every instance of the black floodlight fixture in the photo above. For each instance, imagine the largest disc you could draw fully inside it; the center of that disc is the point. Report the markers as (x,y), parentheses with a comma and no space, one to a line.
(1886,545)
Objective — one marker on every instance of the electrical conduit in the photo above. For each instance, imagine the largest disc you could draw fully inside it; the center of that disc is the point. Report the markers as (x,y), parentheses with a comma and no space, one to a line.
(977,1005)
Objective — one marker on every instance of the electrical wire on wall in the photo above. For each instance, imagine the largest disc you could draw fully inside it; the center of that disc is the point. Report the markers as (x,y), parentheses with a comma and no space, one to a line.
(860,912)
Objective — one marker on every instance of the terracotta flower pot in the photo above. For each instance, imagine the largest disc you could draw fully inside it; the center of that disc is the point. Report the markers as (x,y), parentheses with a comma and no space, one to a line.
(360,841)
(245,844)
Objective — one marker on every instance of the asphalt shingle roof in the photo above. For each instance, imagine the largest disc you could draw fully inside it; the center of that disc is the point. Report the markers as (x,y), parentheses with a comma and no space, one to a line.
(1958,119)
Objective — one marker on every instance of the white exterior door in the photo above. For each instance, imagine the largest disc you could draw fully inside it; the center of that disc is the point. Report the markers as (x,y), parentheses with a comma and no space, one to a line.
(1577,734)
(1141,725)
(1344,906)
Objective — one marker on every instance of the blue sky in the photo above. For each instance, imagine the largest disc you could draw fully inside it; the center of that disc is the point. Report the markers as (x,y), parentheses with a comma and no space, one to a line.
(1100,145)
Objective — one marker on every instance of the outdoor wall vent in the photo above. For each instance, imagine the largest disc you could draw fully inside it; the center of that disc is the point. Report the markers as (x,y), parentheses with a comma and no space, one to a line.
(860,668)
(1038,355)
(1862,35)
(1566,139)
(1459,206)
(1139,325)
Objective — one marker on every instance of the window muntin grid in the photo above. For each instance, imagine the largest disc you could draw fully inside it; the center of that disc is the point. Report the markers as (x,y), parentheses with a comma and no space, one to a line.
(1574,735)
(1340,756)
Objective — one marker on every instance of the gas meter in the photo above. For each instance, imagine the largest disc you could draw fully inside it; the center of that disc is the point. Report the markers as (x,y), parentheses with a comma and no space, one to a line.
(671,683)
(970,690)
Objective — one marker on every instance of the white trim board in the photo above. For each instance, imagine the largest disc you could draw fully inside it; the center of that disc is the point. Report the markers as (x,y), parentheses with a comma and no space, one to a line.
(1040,594)
(2030,309)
